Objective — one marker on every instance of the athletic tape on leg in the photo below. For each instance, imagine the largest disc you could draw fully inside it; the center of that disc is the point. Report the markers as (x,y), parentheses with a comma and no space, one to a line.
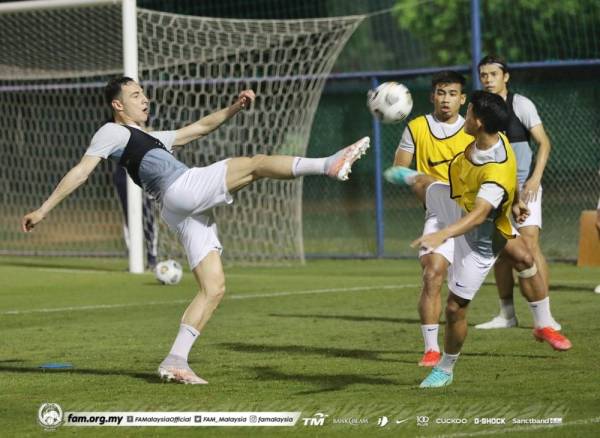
(528,273)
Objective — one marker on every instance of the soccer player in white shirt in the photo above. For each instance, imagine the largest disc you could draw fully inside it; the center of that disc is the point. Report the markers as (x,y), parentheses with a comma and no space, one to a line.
(187,195)
(524,124)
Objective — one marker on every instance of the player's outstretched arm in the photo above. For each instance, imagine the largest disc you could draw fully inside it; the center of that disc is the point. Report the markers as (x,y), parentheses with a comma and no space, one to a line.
(475,217)
(208,124)
(531,186)
(67,185)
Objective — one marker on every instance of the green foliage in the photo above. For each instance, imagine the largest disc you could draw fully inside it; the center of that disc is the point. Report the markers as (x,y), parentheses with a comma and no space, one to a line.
(520,30)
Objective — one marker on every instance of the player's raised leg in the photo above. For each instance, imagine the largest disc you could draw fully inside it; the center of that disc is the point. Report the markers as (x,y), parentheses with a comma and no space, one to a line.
(242,171)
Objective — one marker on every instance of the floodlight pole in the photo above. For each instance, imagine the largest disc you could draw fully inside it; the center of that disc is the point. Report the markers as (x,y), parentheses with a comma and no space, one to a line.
(134,193)
(379,221)
(475,42)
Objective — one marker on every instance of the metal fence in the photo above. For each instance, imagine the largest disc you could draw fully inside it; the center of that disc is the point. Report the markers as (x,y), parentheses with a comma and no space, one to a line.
(342,220)
(553,49)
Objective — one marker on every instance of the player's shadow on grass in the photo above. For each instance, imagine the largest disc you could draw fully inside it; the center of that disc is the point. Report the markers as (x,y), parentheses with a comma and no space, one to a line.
(353,318)
(374,355)
(149,377)
(571,288)
(325,382)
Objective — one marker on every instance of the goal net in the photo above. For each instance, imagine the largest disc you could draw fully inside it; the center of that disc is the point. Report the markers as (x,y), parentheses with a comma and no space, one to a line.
(53,67)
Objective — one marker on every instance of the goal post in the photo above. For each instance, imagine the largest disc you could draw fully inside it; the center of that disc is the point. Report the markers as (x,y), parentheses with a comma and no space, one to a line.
(130,69)
(51,80)
(134,193)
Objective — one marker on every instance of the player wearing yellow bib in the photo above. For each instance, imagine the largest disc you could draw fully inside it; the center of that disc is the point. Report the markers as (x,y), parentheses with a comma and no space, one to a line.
(433,140)
(475,209)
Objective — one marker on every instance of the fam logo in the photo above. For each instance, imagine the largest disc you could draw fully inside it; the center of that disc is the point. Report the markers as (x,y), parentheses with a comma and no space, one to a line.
(316,420)
(50,415)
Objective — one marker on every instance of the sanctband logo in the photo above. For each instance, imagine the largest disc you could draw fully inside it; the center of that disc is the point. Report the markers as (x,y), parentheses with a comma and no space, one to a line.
(50,415)
(316,420)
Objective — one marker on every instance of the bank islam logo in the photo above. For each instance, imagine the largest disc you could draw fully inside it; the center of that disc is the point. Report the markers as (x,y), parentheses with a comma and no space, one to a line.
(316,420)
(50,415)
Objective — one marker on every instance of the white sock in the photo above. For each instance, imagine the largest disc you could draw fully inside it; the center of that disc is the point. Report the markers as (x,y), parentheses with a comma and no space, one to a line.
(430,336)
(447,362)
(308,166)
(507,308)
(541,313)
(183,342)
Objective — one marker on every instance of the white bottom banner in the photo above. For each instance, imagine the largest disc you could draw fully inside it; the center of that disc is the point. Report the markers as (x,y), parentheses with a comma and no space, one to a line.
(132,419)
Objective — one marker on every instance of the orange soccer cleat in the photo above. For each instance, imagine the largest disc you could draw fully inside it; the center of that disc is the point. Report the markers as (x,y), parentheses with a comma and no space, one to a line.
(430,358)
(554,338)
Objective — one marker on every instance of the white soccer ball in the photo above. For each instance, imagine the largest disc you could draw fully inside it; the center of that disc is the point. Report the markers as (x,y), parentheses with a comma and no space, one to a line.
(390,102)
(168,272)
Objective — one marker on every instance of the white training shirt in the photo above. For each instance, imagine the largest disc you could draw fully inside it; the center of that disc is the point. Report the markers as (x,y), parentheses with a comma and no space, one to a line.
(158,169)
(439,129)
(527,114)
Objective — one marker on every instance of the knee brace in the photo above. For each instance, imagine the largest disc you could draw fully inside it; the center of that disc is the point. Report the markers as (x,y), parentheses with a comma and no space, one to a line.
(528,273)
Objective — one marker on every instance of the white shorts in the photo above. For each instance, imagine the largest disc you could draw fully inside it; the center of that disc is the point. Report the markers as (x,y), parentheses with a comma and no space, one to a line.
(535,213)
(469,268)
(186,209)
(432,224)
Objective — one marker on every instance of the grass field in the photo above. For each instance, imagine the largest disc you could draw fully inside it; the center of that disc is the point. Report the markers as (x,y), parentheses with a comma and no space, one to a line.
(337,337)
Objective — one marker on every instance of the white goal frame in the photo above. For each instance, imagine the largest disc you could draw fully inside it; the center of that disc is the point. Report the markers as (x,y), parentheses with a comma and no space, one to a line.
(130,68)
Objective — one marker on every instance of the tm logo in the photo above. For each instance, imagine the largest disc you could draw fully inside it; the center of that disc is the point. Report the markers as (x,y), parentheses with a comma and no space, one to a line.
(316,420)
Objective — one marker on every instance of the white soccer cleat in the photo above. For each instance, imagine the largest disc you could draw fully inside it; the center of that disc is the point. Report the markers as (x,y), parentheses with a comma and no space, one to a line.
(339,166)
(597,290)
(175,369)
(499,322)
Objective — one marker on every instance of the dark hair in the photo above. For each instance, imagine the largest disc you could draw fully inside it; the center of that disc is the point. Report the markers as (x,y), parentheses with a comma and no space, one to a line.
(113,88)
(448,77)
(491,110)
(493,59)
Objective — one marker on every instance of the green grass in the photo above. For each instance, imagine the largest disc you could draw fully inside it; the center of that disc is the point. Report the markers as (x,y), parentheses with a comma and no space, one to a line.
(346,353)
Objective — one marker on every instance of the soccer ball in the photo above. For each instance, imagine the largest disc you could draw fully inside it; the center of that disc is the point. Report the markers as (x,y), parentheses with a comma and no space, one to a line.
(390,102)
(168,272)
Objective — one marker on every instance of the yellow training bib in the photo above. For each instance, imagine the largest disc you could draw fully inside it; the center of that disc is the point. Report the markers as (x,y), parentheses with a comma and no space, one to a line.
(466,178)
(433,154)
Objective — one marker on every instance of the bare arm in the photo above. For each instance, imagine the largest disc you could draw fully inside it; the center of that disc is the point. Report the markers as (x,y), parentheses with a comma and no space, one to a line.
(67,185)
(532,185)
(519,208)
(208,124)
(475,217)
(403,158)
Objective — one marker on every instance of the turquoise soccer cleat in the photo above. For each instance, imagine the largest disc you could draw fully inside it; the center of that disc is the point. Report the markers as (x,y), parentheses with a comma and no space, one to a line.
(436,379)
(399,175)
